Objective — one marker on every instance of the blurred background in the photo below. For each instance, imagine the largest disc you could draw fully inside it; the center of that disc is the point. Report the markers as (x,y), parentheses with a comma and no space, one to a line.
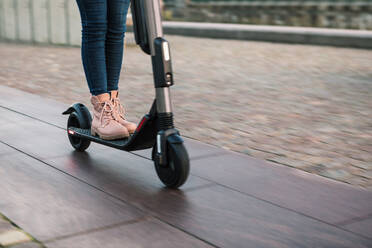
(46,21)
(295,103)
(353,14)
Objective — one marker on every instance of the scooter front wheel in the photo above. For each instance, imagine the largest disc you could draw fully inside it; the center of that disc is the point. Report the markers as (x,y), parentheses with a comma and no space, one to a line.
(74,120)
(176,172)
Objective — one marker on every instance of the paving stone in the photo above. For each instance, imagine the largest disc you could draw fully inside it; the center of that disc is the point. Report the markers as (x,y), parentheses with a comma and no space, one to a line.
(12,237)
(368,174)
(28,245)
(358,171)
(356,180)
(338,174)
(5,225)
(261,154)
(362,165)
(288,161)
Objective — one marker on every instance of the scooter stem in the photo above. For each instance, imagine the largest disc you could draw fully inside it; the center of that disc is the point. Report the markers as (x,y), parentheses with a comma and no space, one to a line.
(153,21)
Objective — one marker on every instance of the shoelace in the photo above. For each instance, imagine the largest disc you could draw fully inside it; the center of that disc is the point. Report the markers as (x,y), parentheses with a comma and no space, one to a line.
(121,110)
(106,114)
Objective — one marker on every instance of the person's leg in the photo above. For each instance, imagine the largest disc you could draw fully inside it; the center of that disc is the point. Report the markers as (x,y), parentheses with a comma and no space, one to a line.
(94,29)
(117,16)
(94,22)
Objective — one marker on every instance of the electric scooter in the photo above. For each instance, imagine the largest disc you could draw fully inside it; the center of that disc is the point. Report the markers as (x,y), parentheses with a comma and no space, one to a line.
(156,129)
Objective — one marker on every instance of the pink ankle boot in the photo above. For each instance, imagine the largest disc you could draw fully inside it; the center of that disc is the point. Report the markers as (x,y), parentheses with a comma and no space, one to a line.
(104,123)
(120,112)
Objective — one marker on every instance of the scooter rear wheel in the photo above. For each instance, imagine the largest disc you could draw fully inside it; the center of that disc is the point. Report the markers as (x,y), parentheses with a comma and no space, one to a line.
(74,120)
(176,172)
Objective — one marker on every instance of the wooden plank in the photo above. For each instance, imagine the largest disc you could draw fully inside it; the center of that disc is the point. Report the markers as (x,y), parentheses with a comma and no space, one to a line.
(33,137)
(196,149)
(306,193)
(127,176)
(230,219)
(4,149)
(33,105)
(48,204)
(44,141)
(150,233)
(363,227)
(239,219)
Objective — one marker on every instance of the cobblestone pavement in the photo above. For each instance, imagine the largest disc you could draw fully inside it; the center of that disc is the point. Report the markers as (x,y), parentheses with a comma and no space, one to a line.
(308,107)
(11,236)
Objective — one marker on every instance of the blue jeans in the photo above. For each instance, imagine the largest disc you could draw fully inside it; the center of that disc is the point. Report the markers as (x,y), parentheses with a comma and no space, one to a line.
(104,26)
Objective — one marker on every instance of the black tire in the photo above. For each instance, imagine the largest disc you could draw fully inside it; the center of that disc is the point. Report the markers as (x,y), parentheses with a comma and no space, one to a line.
(74,120)
(176,172)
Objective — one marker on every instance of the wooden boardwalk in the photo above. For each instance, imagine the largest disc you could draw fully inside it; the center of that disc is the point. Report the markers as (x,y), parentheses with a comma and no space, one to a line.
(109,198)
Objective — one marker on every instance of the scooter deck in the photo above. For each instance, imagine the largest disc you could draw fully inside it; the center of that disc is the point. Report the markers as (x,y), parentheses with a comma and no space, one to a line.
(86,134)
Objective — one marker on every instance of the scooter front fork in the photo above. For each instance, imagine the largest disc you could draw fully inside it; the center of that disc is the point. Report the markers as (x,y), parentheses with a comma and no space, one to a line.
(163,79)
